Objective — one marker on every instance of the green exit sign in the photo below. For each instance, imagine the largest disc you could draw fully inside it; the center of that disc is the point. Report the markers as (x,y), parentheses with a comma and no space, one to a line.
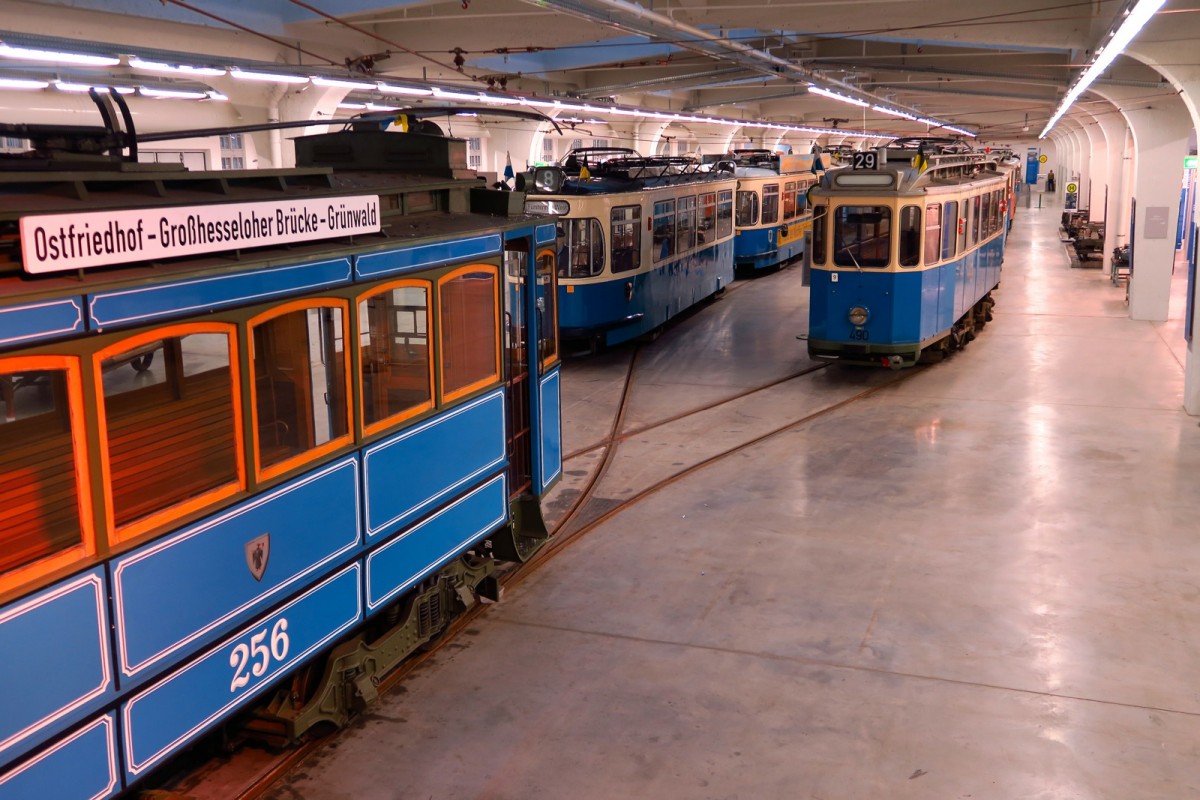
(1189,162)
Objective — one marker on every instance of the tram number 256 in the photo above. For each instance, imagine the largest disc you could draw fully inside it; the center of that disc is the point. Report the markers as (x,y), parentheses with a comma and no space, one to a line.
(868,159)
(860,334)
(257,654)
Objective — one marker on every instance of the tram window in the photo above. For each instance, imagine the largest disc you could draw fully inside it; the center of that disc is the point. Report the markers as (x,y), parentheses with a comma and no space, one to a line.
(724,213)
(818,234)
(40,502)
(171,425)
(975,217)
(299,385)
(393,342)
(910,236)
(663,242)
(747,209)
(995,219)
(933,233)
(986,214)
(802,197)
(862,236)
(685,231)
(581,253)
(547,312)
(626,238)
(470,357)
(949,229)
(770,204)
(961,222)
(706,219)
(789,200)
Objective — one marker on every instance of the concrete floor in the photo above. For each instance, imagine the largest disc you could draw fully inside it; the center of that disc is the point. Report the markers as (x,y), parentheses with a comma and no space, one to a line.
(981,581)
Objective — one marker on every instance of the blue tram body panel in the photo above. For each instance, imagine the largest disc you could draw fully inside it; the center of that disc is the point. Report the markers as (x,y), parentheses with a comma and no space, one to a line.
(658,295)
(548,429)
(396,565)
(83,766)
(56,662)
(168,714)
(25,324)
(404,259)
(173,298)
(759,248)
(204,571)
(408,475)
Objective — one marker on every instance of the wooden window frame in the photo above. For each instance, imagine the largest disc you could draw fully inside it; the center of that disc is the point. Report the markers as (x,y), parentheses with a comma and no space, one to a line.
(449,397)
(71,366)
(552,360)
(431,333)
(201,501)
(261,473)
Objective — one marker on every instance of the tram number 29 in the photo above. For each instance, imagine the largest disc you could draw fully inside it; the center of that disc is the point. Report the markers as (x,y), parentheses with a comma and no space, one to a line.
(254,657)
(860,334)
(868,159)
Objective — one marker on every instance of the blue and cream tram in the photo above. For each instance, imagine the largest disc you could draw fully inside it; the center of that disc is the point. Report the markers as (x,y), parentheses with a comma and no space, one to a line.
(639,241)
(250,418)
(772,213)
(907,248)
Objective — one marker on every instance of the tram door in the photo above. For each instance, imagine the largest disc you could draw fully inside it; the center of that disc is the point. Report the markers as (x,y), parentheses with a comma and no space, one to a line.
(516,354)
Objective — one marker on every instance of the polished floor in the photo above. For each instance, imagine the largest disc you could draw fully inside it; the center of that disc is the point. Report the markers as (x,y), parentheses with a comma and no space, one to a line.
(982,580)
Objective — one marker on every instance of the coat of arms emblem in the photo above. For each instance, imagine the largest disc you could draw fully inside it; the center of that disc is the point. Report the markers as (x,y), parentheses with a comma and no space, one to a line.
(258,550)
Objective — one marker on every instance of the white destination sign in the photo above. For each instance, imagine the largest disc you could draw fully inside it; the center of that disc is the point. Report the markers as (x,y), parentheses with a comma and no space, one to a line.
(56,242)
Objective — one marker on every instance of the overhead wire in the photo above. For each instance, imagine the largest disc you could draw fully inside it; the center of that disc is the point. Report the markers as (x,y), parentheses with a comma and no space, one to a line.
(243,28)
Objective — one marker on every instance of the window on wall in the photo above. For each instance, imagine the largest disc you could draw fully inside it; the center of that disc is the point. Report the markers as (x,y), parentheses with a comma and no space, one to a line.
(747,209)
(299,385)
(231,141)
(576,144)
(770,204)
(547,149)
(663,243)
(393,342)
(724,213)
(910,236)
(599,142)
(626,234)
(685,228)
(39,506)
(233,162)
(949,229)
(172,424)
(581,248)
(933,233)
(470,356)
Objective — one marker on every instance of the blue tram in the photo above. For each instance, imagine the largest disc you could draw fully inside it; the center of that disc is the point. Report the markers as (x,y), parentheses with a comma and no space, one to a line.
(639,241)
(907,248)
(264,432)
(772,213)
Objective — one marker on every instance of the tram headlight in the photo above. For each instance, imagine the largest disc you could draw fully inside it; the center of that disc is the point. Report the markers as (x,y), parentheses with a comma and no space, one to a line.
(858,316)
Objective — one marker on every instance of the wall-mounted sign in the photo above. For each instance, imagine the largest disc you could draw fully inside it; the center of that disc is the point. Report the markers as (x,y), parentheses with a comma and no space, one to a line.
(1043,158)
(1189,162)
(1072,188)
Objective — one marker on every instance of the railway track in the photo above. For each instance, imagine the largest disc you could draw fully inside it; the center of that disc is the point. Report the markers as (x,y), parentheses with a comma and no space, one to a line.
(251,773)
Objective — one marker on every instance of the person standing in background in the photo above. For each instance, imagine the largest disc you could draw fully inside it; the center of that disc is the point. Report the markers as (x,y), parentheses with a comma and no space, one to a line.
(1050,183)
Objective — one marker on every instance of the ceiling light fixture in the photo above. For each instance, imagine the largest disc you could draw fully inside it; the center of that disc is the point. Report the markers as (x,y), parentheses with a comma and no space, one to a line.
(67,86)
(844,98)
(8,51)
(341,83)
(175,69)
(1134,20)
(389,88)
(268,77)
(22,83)
(171,94)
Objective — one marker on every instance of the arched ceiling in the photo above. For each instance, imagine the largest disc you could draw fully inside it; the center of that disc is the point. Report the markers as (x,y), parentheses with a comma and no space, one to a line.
(998,68)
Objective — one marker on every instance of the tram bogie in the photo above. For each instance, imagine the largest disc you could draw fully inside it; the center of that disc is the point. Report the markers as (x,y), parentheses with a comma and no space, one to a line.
(342,409)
